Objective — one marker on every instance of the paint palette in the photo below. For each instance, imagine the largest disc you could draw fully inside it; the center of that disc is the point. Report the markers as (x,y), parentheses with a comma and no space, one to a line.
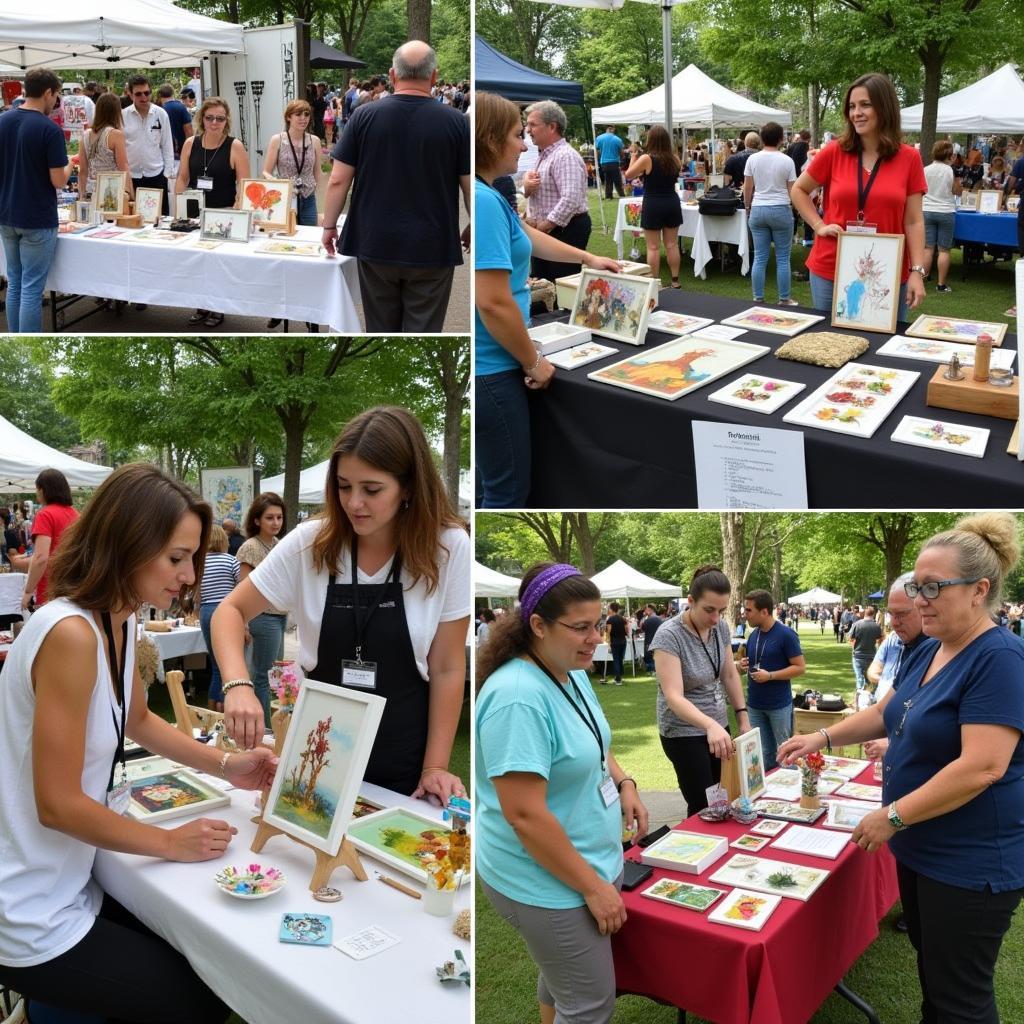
(252,882)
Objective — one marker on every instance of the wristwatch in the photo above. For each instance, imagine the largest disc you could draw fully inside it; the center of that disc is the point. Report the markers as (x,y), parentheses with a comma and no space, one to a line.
(919,269)
(894,818)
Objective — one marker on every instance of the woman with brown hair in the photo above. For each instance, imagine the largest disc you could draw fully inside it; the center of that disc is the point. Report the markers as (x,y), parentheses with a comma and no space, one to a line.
(873,182)
(661,213)
(71,695)
(939,207)
(295,154)
(379,588)
(103,147)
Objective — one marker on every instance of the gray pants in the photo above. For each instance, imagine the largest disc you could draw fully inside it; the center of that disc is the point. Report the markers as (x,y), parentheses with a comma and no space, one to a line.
(404,299)
(577,975)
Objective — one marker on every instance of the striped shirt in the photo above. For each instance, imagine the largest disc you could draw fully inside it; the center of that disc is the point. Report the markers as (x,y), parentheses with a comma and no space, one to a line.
(220,577)
(562,193)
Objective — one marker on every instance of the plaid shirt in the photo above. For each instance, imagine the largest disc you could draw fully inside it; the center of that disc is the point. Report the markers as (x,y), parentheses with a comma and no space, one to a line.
(562,193)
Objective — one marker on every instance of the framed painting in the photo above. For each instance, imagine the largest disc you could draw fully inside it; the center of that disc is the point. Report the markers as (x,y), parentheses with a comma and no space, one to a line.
(226,225)
(846,767)
(777,877)
(269,200)
(158,237)
(83,212)
(189,205)
(757,393)
(282,247)
(149,204)
(941,436)
(1012,204)
(400,838)
(631,215)
(580,355)
(990,200)
(782,810)
(743,909)
(683,894)
(858,791)
(866,294)
(615,306)
(364,806)
(322,764)
(675,323)
(679,367)
(750,760)
(931,351)
(969,201)
(692,852)
(846,815)
(229,490)
(109,196)
(772,321)
(855,400)
(951,328)
(171,793)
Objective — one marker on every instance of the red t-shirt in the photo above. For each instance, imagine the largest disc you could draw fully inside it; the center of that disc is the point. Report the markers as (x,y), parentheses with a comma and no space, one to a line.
(899,176)
(50,521)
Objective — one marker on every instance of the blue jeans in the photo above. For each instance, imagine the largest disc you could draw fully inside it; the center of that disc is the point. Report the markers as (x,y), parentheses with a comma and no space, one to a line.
(29,253)
(776,727)
(206,611)
(860,668)
(771,224)
(306,214)
(821,295)
(502,440)
(267,647)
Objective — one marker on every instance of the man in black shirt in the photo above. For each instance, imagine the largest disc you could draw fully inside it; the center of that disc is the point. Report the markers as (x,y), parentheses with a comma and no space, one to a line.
(652,620)
(409,158)
(616,631)
(732,173)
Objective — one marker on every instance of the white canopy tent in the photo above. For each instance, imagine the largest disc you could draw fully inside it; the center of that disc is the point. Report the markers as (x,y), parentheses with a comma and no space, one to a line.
(311,483)
(96,33)
(993,104)
(23,458)
(491,583)
(816,595)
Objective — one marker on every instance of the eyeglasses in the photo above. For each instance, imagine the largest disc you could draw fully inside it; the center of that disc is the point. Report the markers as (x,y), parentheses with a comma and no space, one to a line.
(584,629)
(139,95)
(899,616)
(217,118)
(930,590)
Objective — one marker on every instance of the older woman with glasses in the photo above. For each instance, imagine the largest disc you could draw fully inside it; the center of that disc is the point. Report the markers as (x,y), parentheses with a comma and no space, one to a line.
(953,789)
(552,801)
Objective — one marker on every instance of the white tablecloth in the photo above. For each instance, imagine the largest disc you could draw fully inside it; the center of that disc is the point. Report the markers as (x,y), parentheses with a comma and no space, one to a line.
(12,586)
(232,278)
(703,231)
(233,944)
(179,642)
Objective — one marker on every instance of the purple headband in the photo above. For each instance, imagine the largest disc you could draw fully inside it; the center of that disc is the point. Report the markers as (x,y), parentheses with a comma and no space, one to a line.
(541,584)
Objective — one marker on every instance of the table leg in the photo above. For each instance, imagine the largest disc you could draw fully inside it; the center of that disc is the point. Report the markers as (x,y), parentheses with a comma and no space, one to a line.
(681,1017)
(53,310)
(855,1000)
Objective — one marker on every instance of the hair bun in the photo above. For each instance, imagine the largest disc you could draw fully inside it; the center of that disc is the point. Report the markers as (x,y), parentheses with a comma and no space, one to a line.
(1000,531)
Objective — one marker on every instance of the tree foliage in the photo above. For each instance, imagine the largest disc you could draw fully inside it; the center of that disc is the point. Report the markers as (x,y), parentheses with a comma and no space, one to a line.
(25,385)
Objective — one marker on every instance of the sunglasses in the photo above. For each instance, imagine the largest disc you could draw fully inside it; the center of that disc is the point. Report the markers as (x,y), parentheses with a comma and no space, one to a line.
(214,117)
(139,95)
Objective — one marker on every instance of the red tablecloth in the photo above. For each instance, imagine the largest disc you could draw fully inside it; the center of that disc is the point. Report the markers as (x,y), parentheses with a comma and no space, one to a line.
(779,975)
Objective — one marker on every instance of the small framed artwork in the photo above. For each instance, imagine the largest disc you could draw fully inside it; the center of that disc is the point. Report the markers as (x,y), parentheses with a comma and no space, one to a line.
(769,827)
(990,200)
(229,489)
(580,355)
(949,328)
(189,205)
(772,321)
(932,351)
(364,806)
(866,293)
(83,212)
(846,815)
(1012,204)
(776,877)
(757,393)
(969,201)
(269,199)
(109,195)
(945,437)
(615,306)
(683,894)
(750,761)
(282,247)
(751,843)
(400,838)
(743,909)
(783,810)
(676,323)
(170,794)
(149,204)
(226,225)
(322,763)
(692,852)
(857,791)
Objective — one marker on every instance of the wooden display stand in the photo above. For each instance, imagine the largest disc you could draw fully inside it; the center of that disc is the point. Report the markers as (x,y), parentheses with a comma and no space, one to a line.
(731,777)
(129,220)
(289,228)
(189,716)
(1013,448)
(973,396)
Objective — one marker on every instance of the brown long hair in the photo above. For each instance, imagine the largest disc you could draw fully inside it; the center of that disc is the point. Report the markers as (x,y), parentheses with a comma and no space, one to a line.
(659,149)
(887,108)
(391,439)
(512,637)
(495,117)
(107,115)
(260,504)
(127,524)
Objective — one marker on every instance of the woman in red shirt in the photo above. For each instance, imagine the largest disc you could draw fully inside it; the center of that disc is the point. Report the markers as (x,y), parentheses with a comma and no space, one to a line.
(869,176)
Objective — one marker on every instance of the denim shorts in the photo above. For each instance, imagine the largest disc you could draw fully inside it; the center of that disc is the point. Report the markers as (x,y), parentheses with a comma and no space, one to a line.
(938,230)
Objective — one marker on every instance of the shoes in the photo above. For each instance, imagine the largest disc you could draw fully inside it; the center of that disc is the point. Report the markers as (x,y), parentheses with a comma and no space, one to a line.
(618,682)
(199,316)
(943,288)
(675,283)
(214,320)
(1011,312)
(901,924)
(788,302)
(756,299)
(801,275)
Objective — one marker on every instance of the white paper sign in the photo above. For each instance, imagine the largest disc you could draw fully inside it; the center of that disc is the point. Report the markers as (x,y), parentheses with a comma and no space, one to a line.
(748,467)
(367,942)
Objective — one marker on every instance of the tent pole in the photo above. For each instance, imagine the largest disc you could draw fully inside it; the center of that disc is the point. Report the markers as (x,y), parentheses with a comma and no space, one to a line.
(597,174)
(712,169)
(666,49)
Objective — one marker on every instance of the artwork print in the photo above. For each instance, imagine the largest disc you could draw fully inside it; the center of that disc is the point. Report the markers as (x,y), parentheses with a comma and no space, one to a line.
(632,214)
(306,929)
(109,194)
(615,306)
(675,323)
(750,843)
(170,794)
(226,225)
(683,894)
(322,763)
(950,328)
(763,874)
(990,200)
(763,318)
(933,351)
(847,767)
(867,282)
(580,355)
(149,204)
(685,851)
(281,248)
(403,839)
(364,806)
(861,792)
(229,490)
(268,199)
(784,811)
(679,367)
(846,815)
(757,393)
(743,909)
(940,436)
(750,760)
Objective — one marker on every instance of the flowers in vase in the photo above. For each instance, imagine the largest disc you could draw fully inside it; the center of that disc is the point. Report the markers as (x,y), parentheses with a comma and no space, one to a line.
(811,768)
(285,680)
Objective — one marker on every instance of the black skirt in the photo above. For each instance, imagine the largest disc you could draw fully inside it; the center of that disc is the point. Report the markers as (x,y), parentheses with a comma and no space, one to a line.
(660,212)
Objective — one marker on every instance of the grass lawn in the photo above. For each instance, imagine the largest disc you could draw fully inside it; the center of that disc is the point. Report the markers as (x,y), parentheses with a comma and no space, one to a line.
(985,295)
(886,975)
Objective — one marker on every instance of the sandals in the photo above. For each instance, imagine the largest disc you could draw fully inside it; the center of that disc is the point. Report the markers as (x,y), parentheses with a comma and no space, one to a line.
(199,316)
(675,283)
(214,320)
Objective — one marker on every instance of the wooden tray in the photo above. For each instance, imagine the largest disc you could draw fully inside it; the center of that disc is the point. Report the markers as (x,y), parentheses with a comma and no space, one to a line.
(971,396)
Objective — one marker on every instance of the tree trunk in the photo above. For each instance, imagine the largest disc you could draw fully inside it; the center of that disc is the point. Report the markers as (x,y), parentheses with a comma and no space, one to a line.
(932,57)
(585,539)
(558,542)
(418,13)
(732,525)
(814,90)
(777,572)
(294,432)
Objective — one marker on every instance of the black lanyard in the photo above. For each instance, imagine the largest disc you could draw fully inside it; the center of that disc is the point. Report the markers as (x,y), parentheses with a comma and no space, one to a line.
(298,164)
(589,721)
(758,648)
(361,623)
(117,680)
(862,192)
(716,666)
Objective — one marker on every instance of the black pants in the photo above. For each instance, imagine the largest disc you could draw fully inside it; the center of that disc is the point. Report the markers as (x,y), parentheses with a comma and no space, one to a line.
(122,971)
(618,656)
(957,934)
(158,181)
(696,768)
(611,175)
(404,298)
(577,233)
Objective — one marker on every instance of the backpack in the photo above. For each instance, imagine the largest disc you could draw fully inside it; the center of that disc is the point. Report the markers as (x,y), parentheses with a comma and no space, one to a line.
(719,201)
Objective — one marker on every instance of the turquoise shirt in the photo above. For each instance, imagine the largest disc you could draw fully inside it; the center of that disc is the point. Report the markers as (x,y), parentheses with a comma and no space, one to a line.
(523,724)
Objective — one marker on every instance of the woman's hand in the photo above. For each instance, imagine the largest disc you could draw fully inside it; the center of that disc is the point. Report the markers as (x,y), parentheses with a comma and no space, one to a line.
(875,749)
(540,376)
(203,839)
(799,746)
(824,230)
(243,716)
(760,675)
(916,292)
(438,785)
(720,742)
(606,906)
(743,722)
(252,770)
(602,263)
(874,830)
(634,813)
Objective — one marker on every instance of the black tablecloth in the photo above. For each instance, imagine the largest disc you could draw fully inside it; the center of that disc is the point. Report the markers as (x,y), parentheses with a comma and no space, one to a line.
(598,446)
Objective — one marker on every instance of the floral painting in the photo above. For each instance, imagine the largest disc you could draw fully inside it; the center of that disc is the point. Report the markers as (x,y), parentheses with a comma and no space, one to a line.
(742,909)
(170,794)
(757,393)
(751,764)
(229,490)
(949,437)
(676,323)
(948,328)
(867,281)
(269,200)
(762,874)
(632,214)
(934,351)
(405,840)
(614,305)
(772,321)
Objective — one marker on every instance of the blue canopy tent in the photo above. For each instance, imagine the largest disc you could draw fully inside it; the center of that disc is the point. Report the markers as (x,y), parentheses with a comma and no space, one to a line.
(500,74)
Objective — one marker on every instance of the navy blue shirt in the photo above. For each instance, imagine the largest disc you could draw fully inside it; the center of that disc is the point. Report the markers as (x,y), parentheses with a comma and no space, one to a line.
(177,113)
(982,842)
(772,651)
(31,144)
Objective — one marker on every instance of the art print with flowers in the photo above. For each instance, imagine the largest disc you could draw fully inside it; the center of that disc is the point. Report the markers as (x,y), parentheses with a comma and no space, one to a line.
(757,393)
(270,199)
(866,295)
(614,305)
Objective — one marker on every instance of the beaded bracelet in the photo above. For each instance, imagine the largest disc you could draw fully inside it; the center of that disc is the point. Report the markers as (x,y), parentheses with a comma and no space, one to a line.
(231,683)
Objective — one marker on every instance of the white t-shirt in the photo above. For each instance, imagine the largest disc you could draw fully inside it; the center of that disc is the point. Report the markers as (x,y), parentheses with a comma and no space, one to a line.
(772,172)
(287,579)
(48,898)
(939,197)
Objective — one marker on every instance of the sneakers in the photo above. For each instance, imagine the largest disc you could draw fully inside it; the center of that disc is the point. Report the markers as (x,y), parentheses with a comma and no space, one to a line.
(943,288)
(1011,312)
(788,302)
(618,682)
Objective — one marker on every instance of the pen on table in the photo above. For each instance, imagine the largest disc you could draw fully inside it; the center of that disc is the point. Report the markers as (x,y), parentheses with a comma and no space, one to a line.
(398,885)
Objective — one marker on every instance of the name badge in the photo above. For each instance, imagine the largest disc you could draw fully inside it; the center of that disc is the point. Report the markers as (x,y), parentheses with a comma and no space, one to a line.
(119,797)
(609,794)
(860,227)
(360,674)
(206,184)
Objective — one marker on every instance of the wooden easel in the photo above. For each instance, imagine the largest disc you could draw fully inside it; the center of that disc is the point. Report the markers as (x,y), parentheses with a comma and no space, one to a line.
(731,777)
(189,716)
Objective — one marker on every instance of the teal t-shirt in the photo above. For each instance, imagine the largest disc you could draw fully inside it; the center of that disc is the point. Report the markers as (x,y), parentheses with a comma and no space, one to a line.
(523,724)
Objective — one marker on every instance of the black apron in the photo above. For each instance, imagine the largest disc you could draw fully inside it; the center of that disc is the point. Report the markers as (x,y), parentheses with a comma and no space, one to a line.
(396,760)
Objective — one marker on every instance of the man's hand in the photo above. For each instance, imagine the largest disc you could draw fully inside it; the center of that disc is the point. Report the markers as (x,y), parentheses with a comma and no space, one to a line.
(328,241)
(531,182)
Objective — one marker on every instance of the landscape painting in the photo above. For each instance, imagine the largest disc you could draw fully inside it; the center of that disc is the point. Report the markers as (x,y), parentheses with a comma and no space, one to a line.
(404,840)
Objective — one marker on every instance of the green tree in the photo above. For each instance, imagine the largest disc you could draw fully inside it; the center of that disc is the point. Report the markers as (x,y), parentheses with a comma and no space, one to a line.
(25,384)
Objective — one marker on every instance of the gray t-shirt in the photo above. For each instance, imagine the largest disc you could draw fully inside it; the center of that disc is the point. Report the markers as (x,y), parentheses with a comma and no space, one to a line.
(865,632)
(701,686)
